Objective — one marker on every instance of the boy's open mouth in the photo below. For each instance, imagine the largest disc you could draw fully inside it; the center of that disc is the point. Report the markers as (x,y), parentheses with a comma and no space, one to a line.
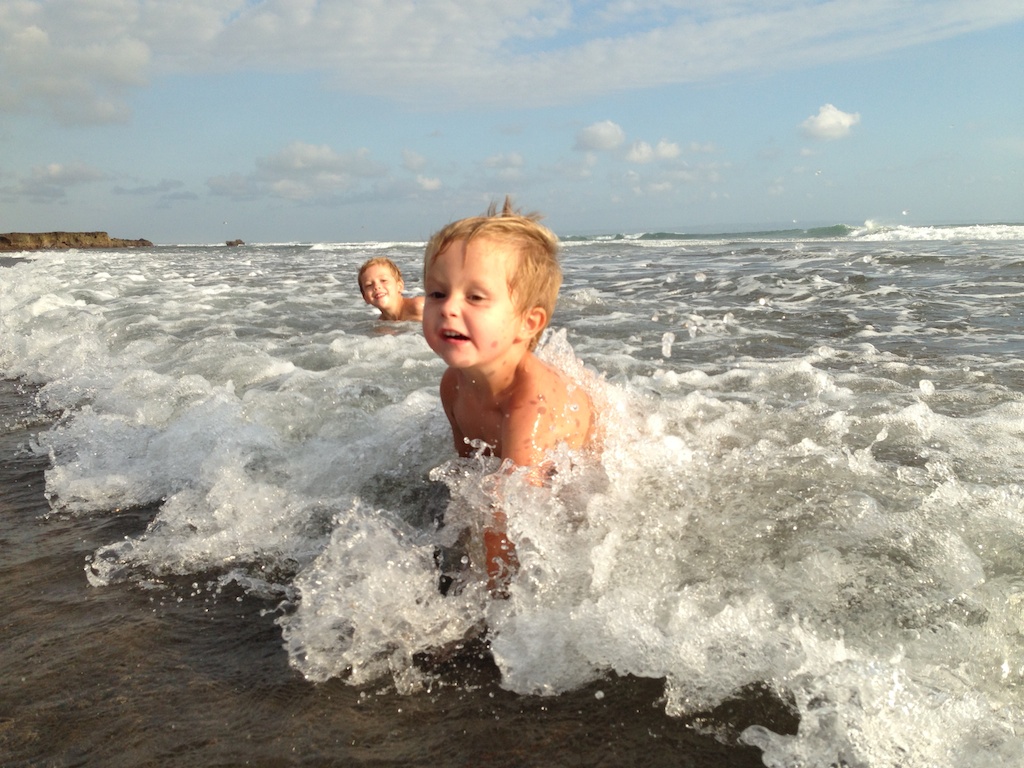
(454,335)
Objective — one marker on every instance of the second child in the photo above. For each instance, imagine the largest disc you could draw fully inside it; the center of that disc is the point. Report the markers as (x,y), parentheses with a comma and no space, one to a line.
(381,284)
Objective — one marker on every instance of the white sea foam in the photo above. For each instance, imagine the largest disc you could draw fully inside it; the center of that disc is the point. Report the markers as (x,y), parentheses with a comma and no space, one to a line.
(880,232)
(809,478)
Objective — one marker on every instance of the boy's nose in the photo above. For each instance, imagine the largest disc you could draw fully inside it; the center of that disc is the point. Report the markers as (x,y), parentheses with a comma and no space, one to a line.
(449,307)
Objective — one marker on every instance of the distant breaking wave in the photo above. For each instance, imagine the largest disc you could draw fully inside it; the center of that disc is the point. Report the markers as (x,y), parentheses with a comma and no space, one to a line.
(873,231)
(869,230)
(362,246)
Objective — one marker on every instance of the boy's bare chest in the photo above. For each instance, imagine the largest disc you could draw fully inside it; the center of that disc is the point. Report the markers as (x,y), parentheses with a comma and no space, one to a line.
(479,420)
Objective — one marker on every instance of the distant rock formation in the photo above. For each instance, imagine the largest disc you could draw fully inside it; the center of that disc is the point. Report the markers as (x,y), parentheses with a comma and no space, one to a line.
(233,243)
(46,241)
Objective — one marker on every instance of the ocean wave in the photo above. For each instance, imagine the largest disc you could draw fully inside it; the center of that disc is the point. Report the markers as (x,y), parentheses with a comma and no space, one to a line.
(831,231)
(869,230)
(377,246)
(880,232)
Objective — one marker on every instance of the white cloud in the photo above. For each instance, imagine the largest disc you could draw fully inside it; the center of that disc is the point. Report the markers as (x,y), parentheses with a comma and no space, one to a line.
(508,166)
(74,61)
(51,182)
(829,124)
(600,137)
(428,185)
(77,61)
(642,152)
(66,175)
(302,172)
(667,150)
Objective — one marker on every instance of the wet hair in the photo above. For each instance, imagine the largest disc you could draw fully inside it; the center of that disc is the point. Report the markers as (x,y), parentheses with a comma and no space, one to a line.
(379,261)
(536,276)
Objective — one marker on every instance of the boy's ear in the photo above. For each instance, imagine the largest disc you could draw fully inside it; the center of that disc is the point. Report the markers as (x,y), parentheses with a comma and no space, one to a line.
(533,321)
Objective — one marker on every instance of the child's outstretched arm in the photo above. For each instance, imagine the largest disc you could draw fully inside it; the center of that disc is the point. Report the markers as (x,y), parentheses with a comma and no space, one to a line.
(500,553)
(548,412)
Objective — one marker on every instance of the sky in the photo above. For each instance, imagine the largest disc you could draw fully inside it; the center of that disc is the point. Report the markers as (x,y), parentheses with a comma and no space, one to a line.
(200,121)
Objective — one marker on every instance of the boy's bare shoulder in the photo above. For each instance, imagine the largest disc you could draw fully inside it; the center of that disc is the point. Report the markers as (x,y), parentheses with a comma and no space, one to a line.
(412,308)
(449,385)
(539,379)
(556,405)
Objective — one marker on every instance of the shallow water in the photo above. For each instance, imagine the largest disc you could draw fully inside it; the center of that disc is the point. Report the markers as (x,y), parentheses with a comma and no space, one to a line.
(190,676)
(801,543)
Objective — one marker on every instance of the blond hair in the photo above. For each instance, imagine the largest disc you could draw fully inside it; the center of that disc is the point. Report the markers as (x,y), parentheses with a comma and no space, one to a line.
(535,278)
(379,261)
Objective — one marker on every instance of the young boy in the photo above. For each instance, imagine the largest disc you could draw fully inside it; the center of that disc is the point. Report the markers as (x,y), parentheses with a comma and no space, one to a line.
(381,283)
(491,285)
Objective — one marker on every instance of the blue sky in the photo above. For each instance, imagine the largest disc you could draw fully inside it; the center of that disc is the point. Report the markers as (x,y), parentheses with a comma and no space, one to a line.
(195,121)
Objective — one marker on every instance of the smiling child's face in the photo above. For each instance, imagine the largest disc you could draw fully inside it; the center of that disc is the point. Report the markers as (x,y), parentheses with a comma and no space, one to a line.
(380,287)
(469,318)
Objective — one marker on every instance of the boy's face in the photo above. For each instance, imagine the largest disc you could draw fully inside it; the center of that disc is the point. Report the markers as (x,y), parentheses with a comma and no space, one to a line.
(380,287)
(469,318)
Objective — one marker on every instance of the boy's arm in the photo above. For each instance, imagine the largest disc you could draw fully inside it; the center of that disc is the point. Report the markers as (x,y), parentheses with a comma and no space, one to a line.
(525,443)
(499,553)
(526,435)
(542,414)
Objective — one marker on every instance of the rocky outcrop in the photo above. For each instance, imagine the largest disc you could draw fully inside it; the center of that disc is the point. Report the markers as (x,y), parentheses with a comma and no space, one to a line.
(47,241)
(233,243)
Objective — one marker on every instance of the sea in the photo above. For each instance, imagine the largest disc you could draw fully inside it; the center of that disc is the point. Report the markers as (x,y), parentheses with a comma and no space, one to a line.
(228,493)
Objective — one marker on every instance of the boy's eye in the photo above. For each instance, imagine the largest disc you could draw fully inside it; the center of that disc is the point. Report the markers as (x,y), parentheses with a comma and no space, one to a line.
(435,295)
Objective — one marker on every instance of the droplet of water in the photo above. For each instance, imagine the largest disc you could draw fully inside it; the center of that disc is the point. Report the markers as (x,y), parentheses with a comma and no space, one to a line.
(667,340)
